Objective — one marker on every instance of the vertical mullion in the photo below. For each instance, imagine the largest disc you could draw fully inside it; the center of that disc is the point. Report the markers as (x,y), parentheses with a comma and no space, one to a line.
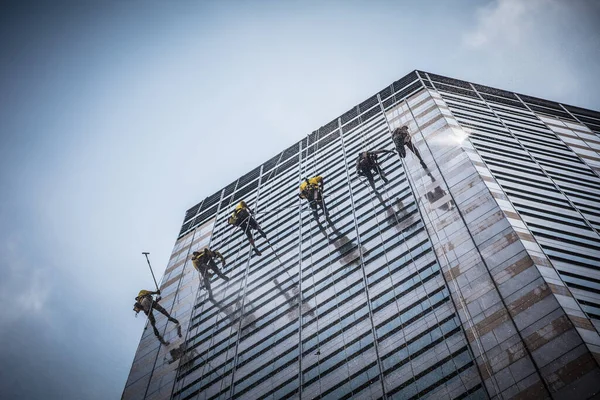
(194,313)
(365,282)
(245,284)
(300,276)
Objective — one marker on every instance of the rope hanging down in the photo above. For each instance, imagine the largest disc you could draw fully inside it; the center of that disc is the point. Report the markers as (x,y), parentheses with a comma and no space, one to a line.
(411,181)
(403,243)
(205,362)
(328,275)
(422,284)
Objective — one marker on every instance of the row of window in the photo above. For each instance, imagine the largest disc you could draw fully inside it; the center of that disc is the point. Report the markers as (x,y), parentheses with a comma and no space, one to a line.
(287,159)
(538,171)
(324,267)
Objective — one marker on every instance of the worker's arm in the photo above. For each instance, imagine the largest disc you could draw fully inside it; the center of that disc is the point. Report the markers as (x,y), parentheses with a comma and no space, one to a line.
(359,170)
(245,206)
(381,151)
(157,292)
(321,182)
(220,256)
(302,195)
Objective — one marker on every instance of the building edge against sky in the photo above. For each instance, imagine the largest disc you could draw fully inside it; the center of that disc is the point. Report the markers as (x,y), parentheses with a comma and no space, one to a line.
(476,280)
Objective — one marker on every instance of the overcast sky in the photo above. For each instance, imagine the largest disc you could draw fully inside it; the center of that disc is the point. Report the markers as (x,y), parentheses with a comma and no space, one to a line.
(116,117)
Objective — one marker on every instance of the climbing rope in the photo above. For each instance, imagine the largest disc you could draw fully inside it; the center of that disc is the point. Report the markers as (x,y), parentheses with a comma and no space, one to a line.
(205,363)
(268,201)
(403,243)
(156,359)
(315,153)
(316,304)
(379,165)
(418,200)
(413,184)
(457,290)
(328,275)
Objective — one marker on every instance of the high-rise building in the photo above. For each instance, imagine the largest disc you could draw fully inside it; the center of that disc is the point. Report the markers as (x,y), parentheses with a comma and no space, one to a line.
(474,273)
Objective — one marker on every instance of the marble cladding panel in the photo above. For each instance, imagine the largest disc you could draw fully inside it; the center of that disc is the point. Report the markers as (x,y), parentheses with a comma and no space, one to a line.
(537,263)
(485,320)
(490,260)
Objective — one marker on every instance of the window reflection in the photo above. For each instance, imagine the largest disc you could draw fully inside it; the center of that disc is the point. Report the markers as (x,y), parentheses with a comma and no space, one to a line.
(327,292)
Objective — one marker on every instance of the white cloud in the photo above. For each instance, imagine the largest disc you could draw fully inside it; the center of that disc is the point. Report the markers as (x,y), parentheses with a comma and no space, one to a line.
(505,22)
(25,287)
(533,47)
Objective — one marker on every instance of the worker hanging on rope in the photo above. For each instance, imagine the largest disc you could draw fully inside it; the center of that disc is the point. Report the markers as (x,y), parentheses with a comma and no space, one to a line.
(145,302)
(367,163)
(204,261)
(401,138)
(312,190)
(242,218)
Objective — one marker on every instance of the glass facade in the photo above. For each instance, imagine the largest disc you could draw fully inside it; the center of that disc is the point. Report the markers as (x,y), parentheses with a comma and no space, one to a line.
(547,164)
(470,274)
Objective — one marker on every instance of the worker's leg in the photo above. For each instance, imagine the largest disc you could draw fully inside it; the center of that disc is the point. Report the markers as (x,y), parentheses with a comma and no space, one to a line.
(379,170)
(246,228)
(156,332)
(207,285)
(414,149)
(214,267)
(254,225)
(313,206)
(164,312)
(153,323)
(399,143)
(369,175)
(317,201)
(321,202)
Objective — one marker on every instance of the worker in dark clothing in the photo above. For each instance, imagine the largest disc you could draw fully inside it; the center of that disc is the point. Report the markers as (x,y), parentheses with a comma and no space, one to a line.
(367,163)
(145,302)
(312,190)
(242,218)
(401,138)
(204,261)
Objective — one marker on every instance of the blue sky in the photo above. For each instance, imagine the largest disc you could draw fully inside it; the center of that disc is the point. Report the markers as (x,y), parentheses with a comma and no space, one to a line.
(116,117)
